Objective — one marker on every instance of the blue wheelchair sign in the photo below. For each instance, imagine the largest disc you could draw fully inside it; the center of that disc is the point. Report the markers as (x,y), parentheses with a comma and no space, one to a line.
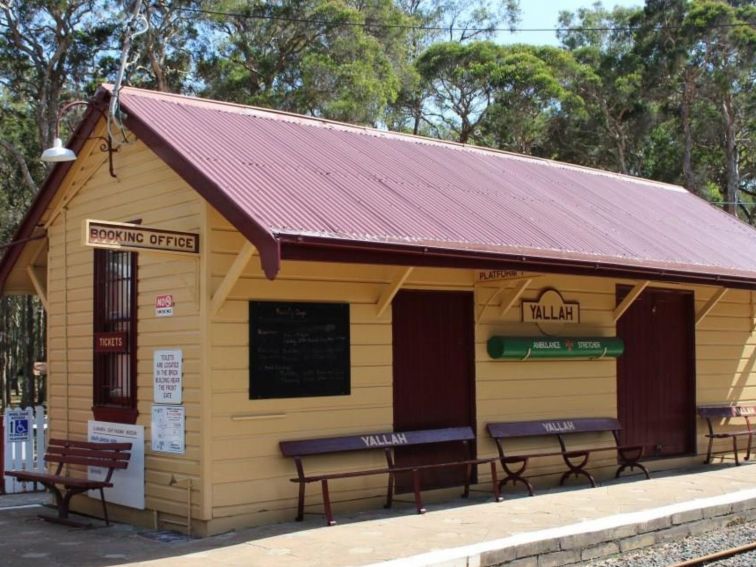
(18,429)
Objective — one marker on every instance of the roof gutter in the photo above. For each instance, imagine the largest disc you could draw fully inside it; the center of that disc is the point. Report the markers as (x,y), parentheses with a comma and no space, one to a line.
(307,248)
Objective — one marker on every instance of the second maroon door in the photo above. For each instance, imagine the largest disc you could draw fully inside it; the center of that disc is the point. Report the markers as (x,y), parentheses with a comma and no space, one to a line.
(656,373)
(434,383)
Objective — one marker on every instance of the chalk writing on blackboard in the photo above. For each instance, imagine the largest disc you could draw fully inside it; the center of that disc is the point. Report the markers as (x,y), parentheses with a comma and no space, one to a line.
(298,349)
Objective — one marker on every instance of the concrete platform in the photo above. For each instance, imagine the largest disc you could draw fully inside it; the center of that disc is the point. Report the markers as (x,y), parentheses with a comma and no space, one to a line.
(560,527)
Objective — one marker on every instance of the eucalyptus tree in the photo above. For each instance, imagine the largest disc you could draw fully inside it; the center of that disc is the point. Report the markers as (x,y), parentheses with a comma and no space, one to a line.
(330,58)
(531,87)
(722,41)
(618,114)
(459,79)
(48,50)
(436,21)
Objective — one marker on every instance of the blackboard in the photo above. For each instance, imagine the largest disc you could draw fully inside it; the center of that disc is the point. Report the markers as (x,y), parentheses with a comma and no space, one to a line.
(298,349)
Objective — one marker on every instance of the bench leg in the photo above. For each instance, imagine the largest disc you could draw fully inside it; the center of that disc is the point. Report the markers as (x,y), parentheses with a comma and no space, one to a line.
(628,458)
(327,503)
(515,475)
(577,469)
(390,491)
(468,477)
(631,466)
(63,502)
(748,452)
(104,507)
(735,450)
(300,503)
(495,483)
(416,486)
(708,451)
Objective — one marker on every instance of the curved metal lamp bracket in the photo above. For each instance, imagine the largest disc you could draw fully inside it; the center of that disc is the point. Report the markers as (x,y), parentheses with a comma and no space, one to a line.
(107,142)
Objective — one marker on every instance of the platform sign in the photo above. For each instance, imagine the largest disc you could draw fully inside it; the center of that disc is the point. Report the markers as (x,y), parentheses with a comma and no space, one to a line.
(128,484)
(19,425)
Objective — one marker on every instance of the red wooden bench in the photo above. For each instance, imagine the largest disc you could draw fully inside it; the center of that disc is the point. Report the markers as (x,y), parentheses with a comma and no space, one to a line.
(110,456)
(722,412)
(385,442)
(515,465)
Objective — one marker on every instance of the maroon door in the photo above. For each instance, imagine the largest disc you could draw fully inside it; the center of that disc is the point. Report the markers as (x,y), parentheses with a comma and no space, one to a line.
(434,384)
(656,373)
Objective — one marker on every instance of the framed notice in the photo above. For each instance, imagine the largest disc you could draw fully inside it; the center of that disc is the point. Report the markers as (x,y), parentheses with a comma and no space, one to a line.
(168,424)
(298,350)
(167,369)
(128,483)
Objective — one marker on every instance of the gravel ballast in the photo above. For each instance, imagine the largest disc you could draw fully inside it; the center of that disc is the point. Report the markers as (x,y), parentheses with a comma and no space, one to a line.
(664,555)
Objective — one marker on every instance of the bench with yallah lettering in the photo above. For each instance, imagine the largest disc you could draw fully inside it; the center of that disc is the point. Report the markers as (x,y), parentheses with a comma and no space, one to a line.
(515,463)
(385,442)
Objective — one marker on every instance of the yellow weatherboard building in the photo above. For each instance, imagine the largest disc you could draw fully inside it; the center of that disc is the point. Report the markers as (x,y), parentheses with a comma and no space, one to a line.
(249,277)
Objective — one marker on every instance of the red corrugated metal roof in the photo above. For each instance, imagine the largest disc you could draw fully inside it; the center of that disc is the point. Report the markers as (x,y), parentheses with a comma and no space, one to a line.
(302,177)
(301,187)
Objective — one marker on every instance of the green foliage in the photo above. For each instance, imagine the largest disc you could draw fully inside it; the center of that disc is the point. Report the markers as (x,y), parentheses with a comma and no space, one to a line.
(329,58)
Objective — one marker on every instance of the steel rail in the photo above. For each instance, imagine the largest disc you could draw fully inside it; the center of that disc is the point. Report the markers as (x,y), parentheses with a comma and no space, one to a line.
(724,554)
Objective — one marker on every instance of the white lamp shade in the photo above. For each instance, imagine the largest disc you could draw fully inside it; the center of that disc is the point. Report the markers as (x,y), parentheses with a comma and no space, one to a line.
(58,152)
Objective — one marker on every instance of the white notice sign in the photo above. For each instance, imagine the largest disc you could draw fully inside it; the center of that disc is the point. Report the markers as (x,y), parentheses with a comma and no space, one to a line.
(167,373)
(128,484)
(168,429)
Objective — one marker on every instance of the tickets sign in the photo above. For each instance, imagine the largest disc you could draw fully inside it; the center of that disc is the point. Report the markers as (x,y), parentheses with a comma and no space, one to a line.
(125,236)
(110,342)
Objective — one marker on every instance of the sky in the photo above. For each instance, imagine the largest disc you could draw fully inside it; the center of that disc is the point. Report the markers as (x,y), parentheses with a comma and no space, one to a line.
(545,14)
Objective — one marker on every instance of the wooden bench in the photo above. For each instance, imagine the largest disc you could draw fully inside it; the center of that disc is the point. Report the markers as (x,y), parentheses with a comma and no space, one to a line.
(514,464)
(385,442)
(109,456)
(726,411)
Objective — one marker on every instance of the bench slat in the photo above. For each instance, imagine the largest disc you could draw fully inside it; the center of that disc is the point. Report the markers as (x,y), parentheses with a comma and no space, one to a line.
(33,476)
(89,445)
(91,453)
(552,427)
(727,411)
(86,461)
(303,447)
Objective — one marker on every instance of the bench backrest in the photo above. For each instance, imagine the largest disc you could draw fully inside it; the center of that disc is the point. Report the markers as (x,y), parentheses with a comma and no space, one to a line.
(727,411)
(367,441)
(503,430)
(109,456)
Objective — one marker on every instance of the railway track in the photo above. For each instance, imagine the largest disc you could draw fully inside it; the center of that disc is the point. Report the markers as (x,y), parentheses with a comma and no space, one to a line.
(732,545)
(716,556)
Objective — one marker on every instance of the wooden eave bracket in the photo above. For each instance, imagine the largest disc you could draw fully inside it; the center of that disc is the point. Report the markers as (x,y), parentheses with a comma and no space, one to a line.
(508,300)
(629,299)
(704,311)
(38,281)
(511,298)
(232,276)
(38,275)
(391,290)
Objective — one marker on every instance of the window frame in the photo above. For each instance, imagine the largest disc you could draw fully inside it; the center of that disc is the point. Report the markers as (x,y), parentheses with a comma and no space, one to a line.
(105,366)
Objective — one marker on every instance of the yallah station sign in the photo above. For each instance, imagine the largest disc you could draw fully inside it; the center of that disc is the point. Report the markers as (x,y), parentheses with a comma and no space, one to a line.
(126,236)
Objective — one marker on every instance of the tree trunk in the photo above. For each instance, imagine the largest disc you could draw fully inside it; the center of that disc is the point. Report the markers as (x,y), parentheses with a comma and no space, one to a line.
(27,394)
(687,102)
(4,378)
(732,177)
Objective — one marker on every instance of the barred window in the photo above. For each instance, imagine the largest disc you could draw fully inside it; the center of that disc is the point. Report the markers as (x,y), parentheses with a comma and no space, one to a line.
(115,334)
